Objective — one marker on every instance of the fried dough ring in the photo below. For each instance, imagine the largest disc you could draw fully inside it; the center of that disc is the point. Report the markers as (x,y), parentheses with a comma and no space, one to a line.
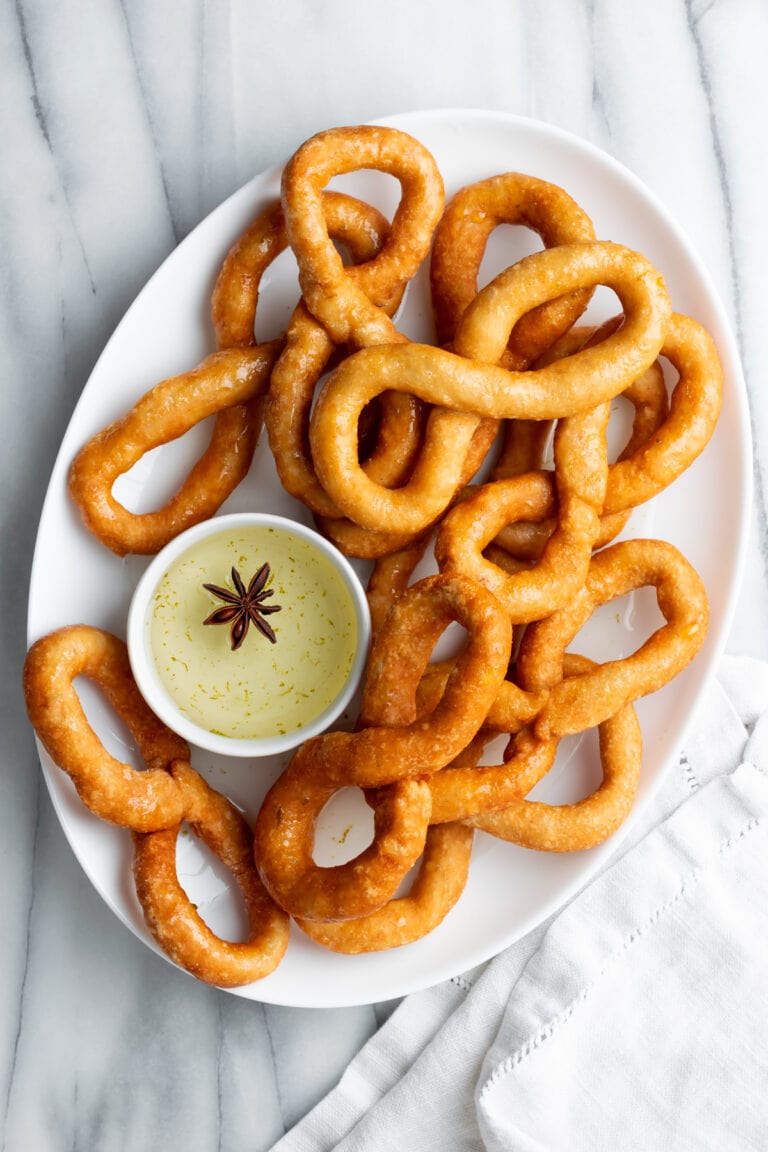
(584,380)
(581,470)
(587,822)
(112,790)
(388,755)
(345,300)
(460,792)
(284,841)
(236,291)
(346,309)
(491,797)
(173,919)
(586,700)
(625,354)
(460,241)
(369,544)
(223,383)
(308,348)
(694,407)
(443,872)
(387,749)
(236,430)
(662,444)
(395,752)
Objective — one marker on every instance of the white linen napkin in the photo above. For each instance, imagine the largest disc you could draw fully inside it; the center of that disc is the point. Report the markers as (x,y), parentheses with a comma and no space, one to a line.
(636,1018)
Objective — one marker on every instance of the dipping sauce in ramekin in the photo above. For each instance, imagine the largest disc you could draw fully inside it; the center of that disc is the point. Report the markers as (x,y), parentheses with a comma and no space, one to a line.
(306,631)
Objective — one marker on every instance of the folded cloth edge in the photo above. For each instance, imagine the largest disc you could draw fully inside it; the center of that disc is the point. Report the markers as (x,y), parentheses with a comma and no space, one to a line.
(697,835)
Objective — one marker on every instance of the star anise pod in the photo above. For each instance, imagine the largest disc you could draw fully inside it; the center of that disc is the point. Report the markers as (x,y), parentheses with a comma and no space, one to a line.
(244,606)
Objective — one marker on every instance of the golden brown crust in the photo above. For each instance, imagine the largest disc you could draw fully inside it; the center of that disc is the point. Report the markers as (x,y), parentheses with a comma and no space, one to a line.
(172,918)
(389,579)
(397,663)
(468,383)
(349,305)
(649,465)
(461,792)
(342,305)
(460,241)
(442,874)
(308,348)
(229,383)
(111,789)
(593,374)
(391,751)
(370,544)
(284,842)
(586,823)
(236,291)
(581,471)
(584,701)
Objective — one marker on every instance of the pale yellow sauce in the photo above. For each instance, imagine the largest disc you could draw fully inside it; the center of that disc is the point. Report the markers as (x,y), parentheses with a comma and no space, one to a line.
(262,689)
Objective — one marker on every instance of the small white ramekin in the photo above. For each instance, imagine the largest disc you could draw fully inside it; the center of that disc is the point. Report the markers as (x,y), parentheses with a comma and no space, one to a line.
(143,663)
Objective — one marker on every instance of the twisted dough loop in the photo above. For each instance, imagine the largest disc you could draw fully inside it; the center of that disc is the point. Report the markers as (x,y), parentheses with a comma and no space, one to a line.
(112,790)
(173,919)
(353,305)
(388,757)
(284,841)
(397,663)
(587,822)
(460,241)
(581,472)
(584,380)
(226,383)
(586,700)
(440,881)
(151,803)
(342,305)
(307,350)
(229,385)
(395,746)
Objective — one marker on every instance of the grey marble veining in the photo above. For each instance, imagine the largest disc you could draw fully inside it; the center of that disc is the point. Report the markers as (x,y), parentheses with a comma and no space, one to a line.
(122,125)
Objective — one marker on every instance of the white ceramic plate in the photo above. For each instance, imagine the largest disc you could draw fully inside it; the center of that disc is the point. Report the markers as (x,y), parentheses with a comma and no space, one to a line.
(167,330)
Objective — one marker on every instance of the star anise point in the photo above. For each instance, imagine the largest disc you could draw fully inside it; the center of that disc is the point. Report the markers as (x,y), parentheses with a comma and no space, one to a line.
(244,606)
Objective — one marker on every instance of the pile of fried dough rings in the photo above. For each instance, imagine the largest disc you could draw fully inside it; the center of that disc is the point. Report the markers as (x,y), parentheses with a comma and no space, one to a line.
(384,457)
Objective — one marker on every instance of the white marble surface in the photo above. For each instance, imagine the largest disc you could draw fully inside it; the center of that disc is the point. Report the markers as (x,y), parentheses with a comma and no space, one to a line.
(123,124)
